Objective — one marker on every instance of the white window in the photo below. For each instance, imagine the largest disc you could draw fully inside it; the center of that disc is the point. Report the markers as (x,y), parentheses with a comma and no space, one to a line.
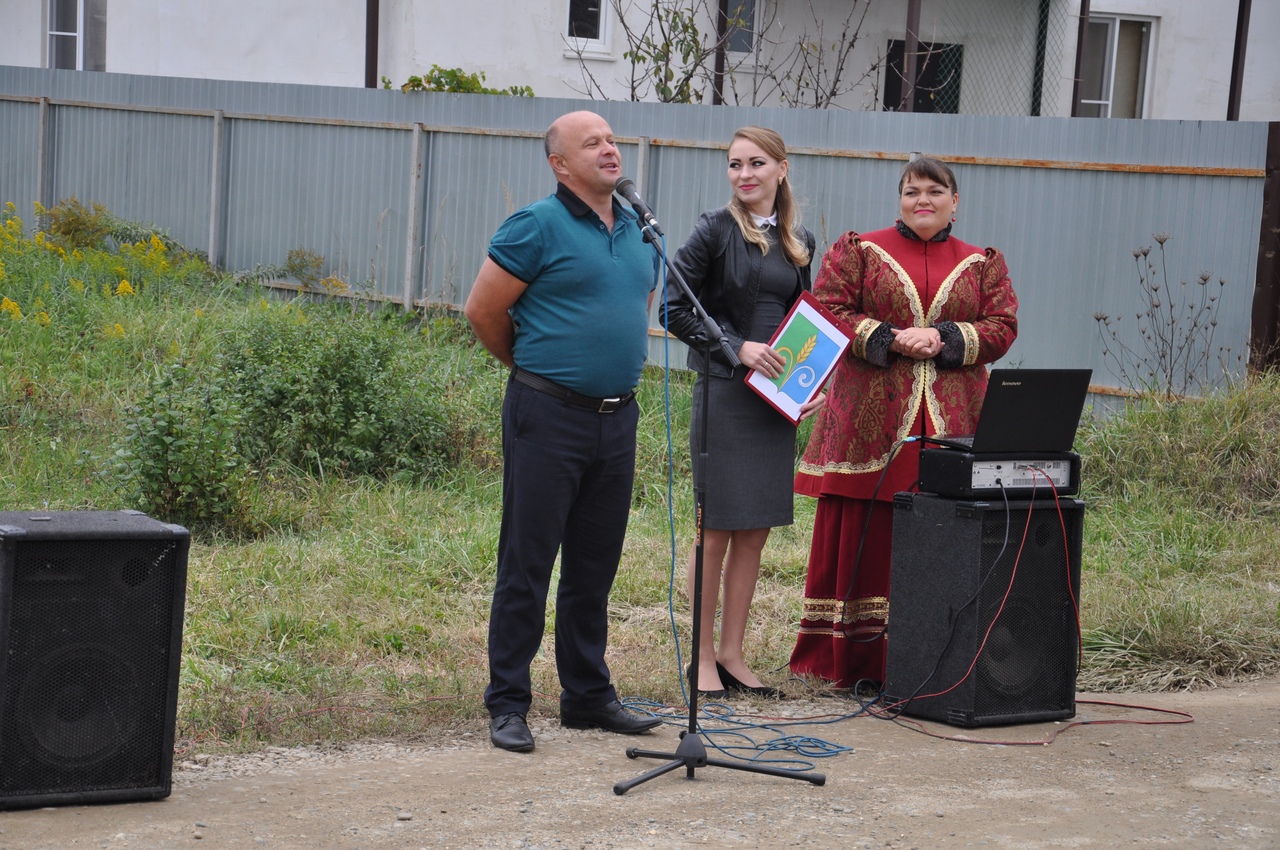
(588,29)
(1114,67)
(78,35)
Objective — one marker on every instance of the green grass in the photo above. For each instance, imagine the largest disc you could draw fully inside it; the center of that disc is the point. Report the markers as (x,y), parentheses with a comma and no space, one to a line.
(360,606)
(1182,575)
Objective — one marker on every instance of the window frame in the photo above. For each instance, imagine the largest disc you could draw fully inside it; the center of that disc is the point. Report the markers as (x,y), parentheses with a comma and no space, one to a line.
(1108,99)
(76,36)
(601,47)
(894,76)
(88,42)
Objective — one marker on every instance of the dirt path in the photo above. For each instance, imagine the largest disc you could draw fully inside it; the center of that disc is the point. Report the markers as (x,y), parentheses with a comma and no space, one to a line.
(1211,783)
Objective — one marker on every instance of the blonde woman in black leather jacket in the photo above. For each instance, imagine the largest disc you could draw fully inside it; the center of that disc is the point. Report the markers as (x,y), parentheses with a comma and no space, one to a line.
(747,263)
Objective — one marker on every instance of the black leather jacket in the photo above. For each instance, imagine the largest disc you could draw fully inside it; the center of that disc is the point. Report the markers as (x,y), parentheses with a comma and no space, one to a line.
(723,270)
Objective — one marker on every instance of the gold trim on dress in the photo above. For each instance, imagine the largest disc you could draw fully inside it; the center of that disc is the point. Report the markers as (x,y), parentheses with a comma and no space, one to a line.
(833,610)
(949,283)
(911,291)
(970,334)
(861,333)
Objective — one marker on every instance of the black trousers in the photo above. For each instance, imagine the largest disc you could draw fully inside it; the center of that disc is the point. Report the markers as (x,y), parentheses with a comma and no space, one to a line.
(566,486)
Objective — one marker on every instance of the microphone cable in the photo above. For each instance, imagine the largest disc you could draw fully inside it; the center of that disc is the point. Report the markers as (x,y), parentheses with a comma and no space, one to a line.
(735,728)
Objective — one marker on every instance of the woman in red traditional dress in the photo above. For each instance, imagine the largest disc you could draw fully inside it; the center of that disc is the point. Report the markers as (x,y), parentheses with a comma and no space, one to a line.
(927,312)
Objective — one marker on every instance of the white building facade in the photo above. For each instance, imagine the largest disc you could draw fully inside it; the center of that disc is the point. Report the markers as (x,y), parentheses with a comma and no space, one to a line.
(1164,59)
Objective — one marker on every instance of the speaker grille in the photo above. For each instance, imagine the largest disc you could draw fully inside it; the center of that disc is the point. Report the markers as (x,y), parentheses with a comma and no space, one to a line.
(948,582)
(91,644)
(1028,662)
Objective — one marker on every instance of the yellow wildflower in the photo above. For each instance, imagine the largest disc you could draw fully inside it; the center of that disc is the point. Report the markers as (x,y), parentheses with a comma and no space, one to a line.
(12,308)
(77,284)
(115,331)
(334,285)
(42,318)
(124,288)
(77,256)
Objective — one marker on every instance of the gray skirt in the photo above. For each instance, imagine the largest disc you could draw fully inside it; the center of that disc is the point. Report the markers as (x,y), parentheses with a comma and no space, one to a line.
(751,456)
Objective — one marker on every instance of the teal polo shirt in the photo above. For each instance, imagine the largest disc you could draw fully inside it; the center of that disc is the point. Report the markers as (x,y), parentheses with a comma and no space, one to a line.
(583,322)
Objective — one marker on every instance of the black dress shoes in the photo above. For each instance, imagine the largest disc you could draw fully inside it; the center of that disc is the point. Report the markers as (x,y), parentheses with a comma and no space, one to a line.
(732,683)
(611,718)
(510,732)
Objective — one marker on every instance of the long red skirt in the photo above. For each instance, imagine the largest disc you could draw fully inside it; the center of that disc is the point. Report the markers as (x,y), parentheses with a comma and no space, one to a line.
(846,593)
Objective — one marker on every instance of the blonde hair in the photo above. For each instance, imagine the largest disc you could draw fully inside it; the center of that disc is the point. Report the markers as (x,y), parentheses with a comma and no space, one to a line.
(784,203)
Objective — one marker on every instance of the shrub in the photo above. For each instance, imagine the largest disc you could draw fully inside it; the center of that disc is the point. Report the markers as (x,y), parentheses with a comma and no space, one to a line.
(304,266)
(179,461)
(328,390)
(455,80)
(73,224)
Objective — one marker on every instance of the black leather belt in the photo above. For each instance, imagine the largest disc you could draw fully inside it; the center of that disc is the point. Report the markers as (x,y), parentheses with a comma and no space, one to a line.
(551,388)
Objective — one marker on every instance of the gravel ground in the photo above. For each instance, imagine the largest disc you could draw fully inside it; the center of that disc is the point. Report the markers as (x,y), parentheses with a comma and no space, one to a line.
(1210,783)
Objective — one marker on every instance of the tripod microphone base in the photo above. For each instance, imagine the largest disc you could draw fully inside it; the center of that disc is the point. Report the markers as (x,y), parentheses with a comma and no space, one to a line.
(692,754)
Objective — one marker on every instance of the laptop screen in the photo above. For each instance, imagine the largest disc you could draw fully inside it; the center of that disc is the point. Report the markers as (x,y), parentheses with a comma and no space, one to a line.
(1030,410)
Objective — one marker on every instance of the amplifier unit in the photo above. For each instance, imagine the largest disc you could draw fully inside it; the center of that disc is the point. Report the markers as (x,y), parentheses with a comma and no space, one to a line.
(965,475)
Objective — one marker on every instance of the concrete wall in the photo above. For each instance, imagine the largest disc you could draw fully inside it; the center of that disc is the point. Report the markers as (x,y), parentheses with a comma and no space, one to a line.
(22,32)
(320,42)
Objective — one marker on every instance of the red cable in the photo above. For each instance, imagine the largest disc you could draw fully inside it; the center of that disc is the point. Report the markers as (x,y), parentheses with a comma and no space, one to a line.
(1186,717)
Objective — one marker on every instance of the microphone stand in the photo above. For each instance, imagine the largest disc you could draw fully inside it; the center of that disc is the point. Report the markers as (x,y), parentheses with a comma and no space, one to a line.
(691,753)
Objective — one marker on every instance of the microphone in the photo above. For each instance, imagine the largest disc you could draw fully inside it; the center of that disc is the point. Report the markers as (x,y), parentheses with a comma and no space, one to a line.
(626,187)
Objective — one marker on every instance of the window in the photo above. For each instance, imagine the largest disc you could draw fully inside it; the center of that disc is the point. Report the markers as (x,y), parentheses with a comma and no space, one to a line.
(1113,69)
(588,28)
(78,35)
(938,68)
(740,29)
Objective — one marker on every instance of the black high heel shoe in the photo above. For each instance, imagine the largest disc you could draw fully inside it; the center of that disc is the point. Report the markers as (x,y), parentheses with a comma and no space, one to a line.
(732,683)
(720,694)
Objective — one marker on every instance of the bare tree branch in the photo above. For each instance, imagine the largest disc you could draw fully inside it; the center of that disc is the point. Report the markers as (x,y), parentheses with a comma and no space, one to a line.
(672,45)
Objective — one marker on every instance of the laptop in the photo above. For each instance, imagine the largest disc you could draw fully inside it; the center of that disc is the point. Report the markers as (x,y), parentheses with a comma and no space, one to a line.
(1026,410)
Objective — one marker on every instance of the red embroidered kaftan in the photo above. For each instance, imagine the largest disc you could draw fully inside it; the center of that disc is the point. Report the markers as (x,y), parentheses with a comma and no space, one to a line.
(875,399)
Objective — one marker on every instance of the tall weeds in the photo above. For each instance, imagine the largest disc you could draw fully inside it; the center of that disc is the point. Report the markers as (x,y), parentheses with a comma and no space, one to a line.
(1182,584)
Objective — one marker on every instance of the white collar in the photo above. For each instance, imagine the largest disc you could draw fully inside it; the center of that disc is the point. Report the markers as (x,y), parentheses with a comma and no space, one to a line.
(761,220)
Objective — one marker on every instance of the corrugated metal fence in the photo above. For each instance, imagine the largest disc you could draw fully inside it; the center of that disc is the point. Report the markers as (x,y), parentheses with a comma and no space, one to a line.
(400,192)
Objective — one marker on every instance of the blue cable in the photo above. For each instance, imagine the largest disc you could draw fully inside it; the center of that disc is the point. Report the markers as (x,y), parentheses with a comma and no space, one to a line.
(804,746)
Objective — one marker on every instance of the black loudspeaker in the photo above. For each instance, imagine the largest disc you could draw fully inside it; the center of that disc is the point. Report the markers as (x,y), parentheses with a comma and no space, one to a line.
(948,580)
(91,609)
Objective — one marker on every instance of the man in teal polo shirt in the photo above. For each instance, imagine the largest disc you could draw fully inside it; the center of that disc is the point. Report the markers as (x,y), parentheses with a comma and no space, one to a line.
(563,299)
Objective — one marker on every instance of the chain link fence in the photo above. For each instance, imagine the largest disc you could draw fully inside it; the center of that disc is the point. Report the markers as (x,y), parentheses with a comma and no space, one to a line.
(1007,57)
